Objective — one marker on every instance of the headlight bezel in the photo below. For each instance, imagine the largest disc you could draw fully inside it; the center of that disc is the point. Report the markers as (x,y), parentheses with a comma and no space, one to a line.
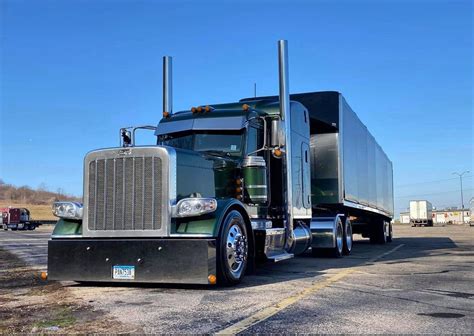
(68,210)
(192,207)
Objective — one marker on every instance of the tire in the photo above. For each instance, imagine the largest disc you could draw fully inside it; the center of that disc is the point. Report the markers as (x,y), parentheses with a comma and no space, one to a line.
(347,243)
(390,234)
(377,233)
(14,229)
(336,251)
(232,249)
(31,227)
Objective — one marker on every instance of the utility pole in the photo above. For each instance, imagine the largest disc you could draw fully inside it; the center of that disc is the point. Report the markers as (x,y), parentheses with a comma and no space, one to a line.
(462,196)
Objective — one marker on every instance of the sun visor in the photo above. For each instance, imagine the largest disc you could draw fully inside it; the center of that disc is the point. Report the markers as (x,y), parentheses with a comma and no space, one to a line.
(202,124)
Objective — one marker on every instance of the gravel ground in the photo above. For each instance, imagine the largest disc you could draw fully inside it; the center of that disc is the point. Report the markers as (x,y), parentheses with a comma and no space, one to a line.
(420,283)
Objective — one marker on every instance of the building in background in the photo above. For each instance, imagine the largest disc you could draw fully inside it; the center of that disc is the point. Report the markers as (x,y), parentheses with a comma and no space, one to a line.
(444,216)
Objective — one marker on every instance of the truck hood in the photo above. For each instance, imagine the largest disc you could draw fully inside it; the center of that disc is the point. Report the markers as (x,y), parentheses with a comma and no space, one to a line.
(204,175)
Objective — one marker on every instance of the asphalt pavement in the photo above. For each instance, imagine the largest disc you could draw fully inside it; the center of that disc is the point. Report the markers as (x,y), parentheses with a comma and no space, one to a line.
(422,282)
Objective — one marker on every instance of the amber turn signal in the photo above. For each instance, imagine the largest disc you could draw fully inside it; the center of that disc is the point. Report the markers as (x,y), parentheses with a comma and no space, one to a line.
(44,276)
(277,152)
(212,279)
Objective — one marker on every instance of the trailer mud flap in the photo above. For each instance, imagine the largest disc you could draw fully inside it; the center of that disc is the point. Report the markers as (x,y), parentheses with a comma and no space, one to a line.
(187,261)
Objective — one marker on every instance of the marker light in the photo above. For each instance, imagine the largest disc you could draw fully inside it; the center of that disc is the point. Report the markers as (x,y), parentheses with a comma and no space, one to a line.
(188,207)
(245,107)
(166,114)
(208,108)
(277,152)
(212,279)
(68,210)
(193,110)
(199,109)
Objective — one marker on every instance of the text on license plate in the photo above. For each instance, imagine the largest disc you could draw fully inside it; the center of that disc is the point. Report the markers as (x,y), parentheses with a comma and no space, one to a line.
(123,272)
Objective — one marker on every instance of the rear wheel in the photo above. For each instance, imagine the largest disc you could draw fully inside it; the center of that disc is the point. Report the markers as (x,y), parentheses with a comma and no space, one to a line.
(232,250)
(347,243)
(390,234)
(378,232)
(337,250)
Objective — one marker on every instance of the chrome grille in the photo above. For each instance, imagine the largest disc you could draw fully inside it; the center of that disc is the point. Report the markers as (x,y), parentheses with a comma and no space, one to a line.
(125,193)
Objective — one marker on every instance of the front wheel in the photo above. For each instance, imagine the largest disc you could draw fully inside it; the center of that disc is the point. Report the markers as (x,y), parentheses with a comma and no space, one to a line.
(232,249)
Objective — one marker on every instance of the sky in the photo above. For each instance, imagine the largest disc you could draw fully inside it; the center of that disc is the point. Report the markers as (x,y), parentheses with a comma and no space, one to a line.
(73,72)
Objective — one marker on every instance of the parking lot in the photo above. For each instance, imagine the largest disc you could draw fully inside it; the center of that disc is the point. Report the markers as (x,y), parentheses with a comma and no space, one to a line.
(420,283)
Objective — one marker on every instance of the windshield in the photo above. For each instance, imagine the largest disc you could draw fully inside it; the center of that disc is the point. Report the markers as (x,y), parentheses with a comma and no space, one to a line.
(228,143)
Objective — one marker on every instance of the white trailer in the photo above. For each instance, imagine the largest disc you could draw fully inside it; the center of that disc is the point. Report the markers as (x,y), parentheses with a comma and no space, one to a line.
(421,213)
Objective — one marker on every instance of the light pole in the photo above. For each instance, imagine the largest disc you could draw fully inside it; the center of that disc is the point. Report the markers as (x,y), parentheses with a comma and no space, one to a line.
(462,197)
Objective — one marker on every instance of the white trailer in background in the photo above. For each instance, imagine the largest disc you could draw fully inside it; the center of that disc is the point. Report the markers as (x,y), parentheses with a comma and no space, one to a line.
(421,213)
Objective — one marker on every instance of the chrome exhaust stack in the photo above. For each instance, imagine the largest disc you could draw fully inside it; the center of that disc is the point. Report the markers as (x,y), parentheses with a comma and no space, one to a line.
(167,86)
(285,127)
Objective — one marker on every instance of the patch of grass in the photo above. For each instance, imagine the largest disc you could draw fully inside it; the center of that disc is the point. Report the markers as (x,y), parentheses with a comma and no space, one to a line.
(61,317)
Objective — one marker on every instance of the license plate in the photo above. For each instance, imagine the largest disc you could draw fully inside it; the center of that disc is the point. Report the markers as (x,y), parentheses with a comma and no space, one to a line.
(123,272)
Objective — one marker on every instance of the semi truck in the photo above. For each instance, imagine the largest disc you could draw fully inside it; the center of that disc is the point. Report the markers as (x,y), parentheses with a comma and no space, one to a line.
(17,219)
(225,187)
(421,213)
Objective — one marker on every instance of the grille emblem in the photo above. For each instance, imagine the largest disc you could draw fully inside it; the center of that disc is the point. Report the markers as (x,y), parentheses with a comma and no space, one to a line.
(122,152)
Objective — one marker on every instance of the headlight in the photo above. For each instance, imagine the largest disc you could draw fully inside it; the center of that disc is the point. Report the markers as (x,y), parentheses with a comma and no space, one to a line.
(195,206)
(69,210)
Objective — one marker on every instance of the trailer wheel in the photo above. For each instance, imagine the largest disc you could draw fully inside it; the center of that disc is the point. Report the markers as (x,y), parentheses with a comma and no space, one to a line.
(347,244)
(232,249)
(377,233)
(390,233)
(31,227)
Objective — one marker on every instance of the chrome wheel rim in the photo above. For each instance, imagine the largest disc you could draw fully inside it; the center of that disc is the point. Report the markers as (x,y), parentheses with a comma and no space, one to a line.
(237,249)
(349,236)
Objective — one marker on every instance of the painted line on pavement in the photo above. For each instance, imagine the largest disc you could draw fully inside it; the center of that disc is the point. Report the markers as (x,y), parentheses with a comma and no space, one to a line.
(268,312)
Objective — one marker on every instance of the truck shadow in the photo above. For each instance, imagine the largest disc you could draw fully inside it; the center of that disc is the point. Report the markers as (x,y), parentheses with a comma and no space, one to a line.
(308,267)
(364,254)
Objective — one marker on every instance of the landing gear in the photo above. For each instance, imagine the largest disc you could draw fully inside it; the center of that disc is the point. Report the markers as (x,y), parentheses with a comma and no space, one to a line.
(232,252)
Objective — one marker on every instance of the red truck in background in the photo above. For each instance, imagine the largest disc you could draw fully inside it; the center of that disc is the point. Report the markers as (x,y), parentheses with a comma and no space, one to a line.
(17,219)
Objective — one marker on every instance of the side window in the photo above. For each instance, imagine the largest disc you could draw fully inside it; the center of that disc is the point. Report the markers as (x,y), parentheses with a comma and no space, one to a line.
(306,175)
(254,137)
